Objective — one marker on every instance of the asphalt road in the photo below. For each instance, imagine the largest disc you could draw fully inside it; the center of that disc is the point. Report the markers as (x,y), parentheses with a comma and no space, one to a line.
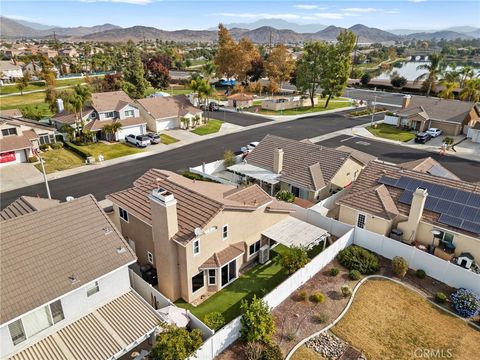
(103,181)
(238,118)
(467,170)
(370,95)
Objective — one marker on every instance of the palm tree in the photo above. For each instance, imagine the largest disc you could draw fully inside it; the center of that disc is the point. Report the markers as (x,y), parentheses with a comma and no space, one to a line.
(448,88)
(84,94)
(73,103)
(205,90)
(108,130)
(466,73)
(208,70)
(116,126)
(471,91)
(434,69)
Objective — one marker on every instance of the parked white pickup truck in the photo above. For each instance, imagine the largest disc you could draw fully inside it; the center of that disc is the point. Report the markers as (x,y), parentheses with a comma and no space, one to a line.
(138,141)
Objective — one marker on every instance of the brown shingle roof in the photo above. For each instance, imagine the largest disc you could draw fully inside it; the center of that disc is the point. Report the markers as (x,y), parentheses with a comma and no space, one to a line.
(168,106)
(11,112)
(69,118)
(25,205)
(363,194)
(298,159)
(224,256)
(36,269)
(17,142)
(109,101)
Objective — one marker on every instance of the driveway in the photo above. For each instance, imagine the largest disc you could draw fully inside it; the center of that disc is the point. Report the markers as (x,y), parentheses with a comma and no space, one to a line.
(12,176)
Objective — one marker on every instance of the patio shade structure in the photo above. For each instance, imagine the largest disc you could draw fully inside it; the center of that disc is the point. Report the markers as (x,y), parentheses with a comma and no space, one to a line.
(295,232)
(255,172)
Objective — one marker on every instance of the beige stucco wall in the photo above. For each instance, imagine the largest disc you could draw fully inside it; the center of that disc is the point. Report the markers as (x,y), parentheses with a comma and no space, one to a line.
(372,223)
(346,174)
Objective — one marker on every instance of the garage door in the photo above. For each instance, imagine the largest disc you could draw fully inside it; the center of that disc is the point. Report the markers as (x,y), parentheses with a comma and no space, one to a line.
(134,130)
(12,157)
(166,124)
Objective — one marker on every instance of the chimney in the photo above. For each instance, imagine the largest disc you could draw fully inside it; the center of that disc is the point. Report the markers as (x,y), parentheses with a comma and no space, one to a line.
(164,210)
(278,160)
(60,107)
(406,101)
(410,226)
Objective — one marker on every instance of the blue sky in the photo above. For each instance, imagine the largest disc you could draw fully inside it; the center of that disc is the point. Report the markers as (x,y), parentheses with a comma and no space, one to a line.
(179,14)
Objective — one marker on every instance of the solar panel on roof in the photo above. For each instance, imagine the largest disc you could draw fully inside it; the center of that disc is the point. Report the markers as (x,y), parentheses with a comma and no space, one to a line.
(388,181)
(474,200)
(436,190)
(461,196)
(403,182)
(442,206)
(406,197)
(431,202)
(469,213)
(455,209)
(450,220)
(413,184)
(449,193)
(473,227)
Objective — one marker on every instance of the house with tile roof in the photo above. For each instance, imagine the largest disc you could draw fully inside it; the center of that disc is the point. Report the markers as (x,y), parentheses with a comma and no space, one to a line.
(106,108)
(197,235)
(20,138)
(309,171)
(66,291)
(440,214)
(453,117)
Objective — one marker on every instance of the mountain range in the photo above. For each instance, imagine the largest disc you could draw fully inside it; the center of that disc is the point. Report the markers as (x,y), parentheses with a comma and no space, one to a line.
(10,28)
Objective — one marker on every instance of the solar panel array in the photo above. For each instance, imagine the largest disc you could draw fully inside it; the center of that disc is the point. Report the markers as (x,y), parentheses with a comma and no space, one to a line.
(457,208)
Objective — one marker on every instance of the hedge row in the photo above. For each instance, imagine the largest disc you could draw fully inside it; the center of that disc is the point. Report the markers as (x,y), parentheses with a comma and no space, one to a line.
(78,150)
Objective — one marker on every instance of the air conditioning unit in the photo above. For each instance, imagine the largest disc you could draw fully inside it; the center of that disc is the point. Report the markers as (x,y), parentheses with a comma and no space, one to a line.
(264,254)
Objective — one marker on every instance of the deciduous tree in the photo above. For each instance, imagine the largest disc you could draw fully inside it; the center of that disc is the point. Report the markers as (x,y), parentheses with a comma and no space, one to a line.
(134,82)
(279,64)
(226,57)
(175,343)
(258,323)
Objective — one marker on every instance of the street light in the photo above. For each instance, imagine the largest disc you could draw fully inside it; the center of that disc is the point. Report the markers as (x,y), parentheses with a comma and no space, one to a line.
(374,104)
(36,152)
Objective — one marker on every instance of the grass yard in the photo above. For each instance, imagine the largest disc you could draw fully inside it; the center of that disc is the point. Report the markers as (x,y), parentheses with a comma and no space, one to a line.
(391,132)
(333,104)
(389,321)
(212,126)
(259,280)
(39,85)
(305,353)
(167,139)
(110,151)
(60,159)
(11,102)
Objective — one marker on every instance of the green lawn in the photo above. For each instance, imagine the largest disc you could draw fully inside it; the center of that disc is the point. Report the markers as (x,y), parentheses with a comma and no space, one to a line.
(212,126)
(60,159)
(333,104)
(259,281)
(39,85)
(110,151)
(171,91)
(391,132)
(167,139)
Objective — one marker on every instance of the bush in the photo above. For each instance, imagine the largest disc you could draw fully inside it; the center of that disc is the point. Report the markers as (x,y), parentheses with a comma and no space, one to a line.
(294,259)
(356,258)
(365,79)
(175,343)
(214,320)
(440,297)
(317,297)
(57,145)
(448,140)
(333,272)
(44,147)
(32,159)
(257,321)
(346,290)
(320,318)
(354,274)
(398,81)
(78,150)
(302,295)
(284,195)
(228,158)
(253,350)
(421,274)
(272,352)
(466,303)
(290,335)
(399,266)
(390,113)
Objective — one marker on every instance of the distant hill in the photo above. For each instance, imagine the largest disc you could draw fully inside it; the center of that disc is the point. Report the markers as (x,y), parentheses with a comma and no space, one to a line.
(34,25)
(10,28)
(370,35)
(80,31)
(278,24)
(446,34)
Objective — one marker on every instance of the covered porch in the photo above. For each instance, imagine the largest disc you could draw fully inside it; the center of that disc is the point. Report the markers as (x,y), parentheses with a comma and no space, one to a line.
(268,180)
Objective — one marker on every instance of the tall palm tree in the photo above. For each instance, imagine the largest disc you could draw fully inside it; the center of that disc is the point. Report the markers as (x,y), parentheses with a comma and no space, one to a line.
(433,71)
(448,89)
(73,103)
(208,70)
(84,94)
(465,73)
(108,130)
(471,91)
(205,91)
(117,125)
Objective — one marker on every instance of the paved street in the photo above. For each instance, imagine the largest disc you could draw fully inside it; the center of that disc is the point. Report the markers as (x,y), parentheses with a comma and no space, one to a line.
(103,181)
(369,95)
(239,118)
(465,169)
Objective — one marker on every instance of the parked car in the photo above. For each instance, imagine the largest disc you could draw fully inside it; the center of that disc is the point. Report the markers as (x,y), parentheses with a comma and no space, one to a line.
(422,138)
(249,147)
(434,132)
(154,138)
(138,140)
(212,106)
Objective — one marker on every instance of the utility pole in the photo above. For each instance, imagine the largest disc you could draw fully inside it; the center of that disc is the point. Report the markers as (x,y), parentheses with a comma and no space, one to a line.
(44,174)
(374,104)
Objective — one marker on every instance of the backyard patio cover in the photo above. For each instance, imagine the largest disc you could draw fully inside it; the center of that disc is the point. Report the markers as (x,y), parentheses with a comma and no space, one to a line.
(255,172)
(295,232)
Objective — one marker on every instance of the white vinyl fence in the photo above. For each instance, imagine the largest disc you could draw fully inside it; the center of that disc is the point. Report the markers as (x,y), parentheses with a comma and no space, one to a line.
(313,217)
(444,271)
(231,332)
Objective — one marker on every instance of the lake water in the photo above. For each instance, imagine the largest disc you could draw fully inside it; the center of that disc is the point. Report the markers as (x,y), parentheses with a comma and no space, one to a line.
(408,70)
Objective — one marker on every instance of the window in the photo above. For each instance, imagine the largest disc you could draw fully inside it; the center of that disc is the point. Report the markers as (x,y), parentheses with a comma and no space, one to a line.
(123,214)
(129,113)
(16,332)
(361,221)
(229,272)
(57,310)
(225,232)
(46,139)
(197,281)
(109,114)
(37,321)
(212,277)
(93,288)
(150,257)
(254,248)
(10,131)
(196,247)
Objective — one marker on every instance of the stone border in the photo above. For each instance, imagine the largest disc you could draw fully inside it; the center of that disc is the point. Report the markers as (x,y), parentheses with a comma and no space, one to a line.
(350,301)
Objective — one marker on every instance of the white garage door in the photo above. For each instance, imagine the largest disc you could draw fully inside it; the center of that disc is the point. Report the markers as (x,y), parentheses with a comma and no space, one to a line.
(13,157)
(166,124)
(134,130)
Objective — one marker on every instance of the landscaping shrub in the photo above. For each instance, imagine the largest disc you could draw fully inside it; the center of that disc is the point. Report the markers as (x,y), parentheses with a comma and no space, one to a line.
(175,343)
(398,81)
(44,147)
(356,258)
(320,318)
(440,297)
(346,290)
(367,111)
(365,79)
(257,321)
(78,150)
(32,159)
(466,303)
(317,297)
(333,272)
(390,113)
(421,274)
(214,320)
(302,295)
(57,145)
(228,158)
(399,266)
(294,259)
(272,352)
(354,274)
(254,350)
(284,195)
(290,335)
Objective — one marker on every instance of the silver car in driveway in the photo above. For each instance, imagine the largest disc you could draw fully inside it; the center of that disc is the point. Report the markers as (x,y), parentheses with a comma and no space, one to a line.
(434,132)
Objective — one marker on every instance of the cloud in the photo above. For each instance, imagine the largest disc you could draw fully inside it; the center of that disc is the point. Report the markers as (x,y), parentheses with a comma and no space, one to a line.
(416,1)
(133,2)
(330,16)
(360,10)
(18,17)
(308,7)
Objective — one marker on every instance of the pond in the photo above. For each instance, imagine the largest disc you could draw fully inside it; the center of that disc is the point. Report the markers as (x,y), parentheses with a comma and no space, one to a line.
(408,69)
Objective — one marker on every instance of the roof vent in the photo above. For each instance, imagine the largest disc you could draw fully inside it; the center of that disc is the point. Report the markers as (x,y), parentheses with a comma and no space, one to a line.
(107,231)
(69,198)
(162,195)
(73,279)
(121,250)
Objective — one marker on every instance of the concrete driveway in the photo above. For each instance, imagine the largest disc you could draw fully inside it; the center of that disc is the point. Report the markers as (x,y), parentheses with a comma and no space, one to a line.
(13,176)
